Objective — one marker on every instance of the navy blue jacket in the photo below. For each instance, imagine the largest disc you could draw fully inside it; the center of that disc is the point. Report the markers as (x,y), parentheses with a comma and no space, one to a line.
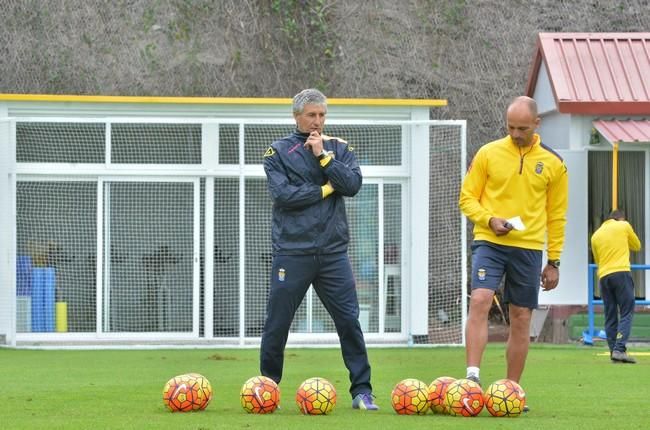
(304,222)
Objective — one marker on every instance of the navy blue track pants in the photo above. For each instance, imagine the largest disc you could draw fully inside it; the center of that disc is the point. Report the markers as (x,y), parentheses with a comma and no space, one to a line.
(332,278)
(617,291)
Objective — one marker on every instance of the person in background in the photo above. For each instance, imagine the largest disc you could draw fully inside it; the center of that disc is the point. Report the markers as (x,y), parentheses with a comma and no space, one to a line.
(308,175)
(611,245)
(516,194)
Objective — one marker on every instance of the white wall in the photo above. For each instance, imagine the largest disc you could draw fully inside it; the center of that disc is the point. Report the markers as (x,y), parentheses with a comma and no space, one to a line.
(580,131)
(555,130)
(572,289)
(543,93)
(418,312)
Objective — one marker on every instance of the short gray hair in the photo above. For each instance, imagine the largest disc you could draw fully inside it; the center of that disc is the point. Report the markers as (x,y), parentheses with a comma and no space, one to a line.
(310,96)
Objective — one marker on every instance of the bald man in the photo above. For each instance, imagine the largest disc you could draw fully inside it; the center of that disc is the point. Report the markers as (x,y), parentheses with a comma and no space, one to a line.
(515,193)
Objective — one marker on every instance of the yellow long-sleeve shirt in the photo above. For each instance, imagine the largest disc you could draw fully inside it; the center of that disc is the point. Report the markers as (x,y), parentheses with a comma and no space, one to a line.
(505,181)
(611,245)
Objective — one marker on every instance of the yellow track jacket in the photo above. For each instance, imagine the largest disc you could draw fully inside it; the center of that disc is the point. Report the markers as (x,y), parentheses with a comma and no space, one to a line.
(506,181)
(611,245)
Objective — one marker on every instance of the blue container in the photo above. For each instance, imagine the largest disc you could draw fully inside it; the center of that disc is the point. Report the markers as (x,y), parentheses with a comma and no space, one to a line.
(24,275)
(49,310)
(38,324)
(43,293)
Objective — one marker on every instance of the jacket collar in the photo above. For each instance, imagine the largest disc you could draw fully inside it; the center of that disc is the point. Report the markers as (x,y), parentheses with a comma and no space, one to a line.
(537,140)
(300,134)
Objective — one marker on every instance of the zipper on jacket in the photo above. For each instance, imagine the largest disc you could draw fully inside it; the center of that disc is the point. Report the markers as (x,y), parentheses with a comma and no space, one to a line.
(521,159)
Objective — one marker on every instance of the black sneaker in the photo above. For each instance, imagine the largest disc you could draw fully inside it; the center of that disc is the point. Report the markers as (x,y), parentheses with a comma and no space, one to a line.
(475,379)
(622,357)
(526,409)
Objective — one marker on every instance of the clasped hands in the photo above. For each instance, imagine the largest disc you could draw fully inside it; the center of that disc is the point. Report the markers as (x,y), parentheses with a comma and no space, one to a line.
(314,143)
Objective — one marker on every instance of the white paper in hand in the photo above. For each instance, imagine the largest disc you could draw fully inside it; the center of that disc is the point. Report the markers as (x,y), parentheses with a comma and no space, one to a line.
(517,223)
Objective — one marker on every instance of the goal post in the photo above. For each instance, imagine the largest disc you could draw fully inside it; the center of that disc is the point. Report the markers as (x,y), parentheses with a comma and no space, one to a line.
(156,229)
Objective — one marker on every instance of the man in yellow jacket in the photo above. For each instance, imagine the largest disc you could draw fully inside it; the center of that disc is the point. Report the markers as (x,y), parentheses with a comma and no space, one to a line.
(611,245)
(516,194)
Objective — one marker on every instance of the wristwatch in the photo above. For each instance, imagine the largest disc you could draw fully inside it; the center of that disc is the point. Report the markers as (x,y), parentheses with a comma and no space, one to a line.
(324,154)
(554,263)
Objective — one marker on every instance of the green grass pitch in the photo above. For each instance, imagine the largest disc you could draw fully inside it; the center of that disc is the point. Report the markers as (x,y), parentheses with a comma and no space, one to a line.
(567,387)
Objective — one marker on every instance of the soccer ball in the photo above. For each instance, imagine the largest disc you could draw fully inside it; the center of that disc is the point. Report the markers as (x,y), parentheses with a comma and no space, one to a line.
(187,392)
(505,398)
(437,391)
(316,396)
(410,397)
(260,395)
(464,397)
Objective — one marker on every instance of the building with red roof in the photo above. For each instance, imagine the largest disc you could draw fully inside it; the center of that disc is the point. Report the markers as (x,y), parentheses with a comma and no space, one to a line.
(593,95)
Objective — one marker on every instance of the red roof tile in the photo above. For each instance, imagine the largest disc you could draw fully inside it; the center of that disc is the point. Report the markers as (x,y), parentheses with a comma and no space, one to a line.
(595,73)
(626,131)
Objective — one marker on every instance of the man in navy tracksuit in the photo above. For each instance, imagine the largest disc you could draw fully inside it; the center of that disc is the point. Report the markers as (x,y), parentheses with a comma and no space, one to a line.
(308,174)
